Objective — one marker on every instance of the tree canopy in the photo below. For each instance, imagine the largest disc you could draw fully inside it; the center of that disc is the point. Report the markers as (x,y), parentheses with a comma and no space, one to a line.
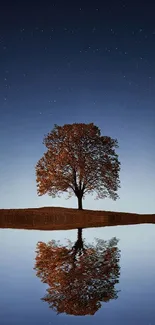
(79,161)
(78,281)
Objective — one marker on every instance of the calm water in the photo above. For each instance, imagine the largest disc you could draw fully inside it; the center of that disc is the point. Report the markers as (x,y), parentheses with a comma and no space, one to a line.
(129,281)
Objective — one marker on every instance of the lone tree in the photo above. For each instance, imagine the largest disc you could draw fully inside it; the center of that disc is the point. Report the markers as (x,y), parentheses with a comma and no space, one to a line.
(78,160)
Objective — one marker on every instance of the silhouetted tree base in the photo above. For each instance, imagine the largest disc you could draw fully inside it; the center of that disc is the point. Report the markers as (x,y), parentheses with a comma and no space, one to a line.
(80,203)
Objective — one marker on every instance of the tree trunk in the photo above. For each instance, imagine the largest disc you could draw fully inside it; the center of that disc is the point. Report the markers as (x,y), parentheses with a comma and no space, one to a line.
(78,246)
(79,235)
(80,202)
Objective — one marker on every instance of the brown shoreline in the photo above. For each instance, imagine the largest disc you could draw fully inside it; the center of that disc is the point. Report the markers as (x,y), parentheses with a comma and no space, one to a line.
(55,218)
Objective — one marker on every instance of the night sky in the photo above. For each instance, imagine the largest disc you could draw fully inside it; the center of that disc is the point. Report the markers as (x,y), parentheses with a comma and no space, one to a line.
(65,62)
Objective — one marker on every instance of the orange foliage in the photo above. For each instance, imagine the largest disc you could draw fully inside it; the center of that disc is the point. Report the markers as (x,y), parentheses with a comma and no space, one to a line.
(78,286)
(78,160)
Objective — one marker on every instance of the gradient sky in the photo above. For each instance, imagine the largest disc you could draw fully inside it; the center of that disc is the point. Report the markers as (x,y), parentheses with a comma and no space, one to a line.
(65,62)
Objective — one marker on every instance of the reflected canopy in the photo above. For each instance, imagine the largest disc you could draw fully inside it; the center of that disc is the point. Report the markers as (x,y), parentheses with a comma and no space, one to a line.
(80,277)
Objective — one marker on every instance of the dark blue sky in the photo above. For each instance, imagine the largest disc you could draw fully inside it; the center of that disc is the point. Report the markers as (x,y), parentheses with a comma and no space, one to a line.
(64,62)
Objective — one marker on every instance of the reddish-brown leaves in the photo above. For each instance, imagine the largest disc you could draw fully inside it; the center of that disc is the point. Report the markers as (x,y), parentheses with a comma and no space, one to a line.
(78,160)
(78,286)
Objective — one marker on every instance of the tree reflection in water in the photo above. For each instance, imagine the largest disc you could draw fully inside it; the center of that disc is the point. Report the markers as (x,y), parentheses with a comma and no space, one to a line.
(79,277)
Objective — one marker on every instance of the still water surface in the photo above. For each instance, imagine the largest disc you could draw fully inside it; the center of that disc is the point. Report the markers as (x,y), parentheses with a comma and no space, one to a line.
(128,277)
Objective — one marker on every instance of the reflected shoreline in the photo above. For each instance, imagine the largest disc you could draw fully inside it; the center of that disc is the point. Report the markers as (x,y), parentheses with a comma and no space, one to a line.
(55,218)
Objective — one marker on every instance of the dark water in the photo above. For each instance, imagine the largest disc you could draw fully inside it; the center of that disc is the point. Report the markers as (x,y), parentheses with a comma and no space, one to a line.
(116,281)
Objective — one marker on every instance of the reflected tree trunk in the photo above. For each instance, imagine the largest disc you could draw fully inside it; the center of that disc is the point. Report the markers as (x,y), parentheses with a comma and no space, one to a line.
(79,234)
(78,246)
